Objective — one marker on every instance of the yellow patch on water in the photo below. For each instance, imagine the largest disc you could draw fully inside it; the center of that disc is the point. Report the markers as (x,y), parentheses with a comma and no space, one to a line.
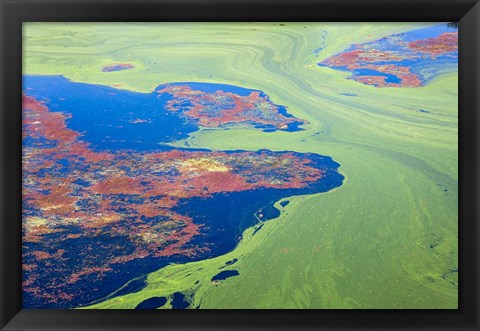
(203,165)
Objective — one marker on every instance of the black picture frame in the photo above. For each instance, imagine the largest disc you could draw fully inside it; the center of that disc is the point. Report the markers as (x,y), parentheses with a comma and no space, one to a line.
(14,12)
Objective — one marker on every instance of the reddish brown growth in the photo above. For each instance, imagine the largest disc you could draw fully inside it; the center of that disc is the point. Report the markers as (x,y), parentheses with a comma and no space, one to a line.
(444,43)
(222,108)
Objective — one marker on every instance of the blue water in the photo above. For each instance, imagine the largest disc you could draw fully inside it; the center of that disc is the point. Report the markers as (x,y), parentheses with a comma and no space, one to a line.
(225,274)
(268,212)
(284,203)
(370,72)
(152,303)
(106,116)
(178,301)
